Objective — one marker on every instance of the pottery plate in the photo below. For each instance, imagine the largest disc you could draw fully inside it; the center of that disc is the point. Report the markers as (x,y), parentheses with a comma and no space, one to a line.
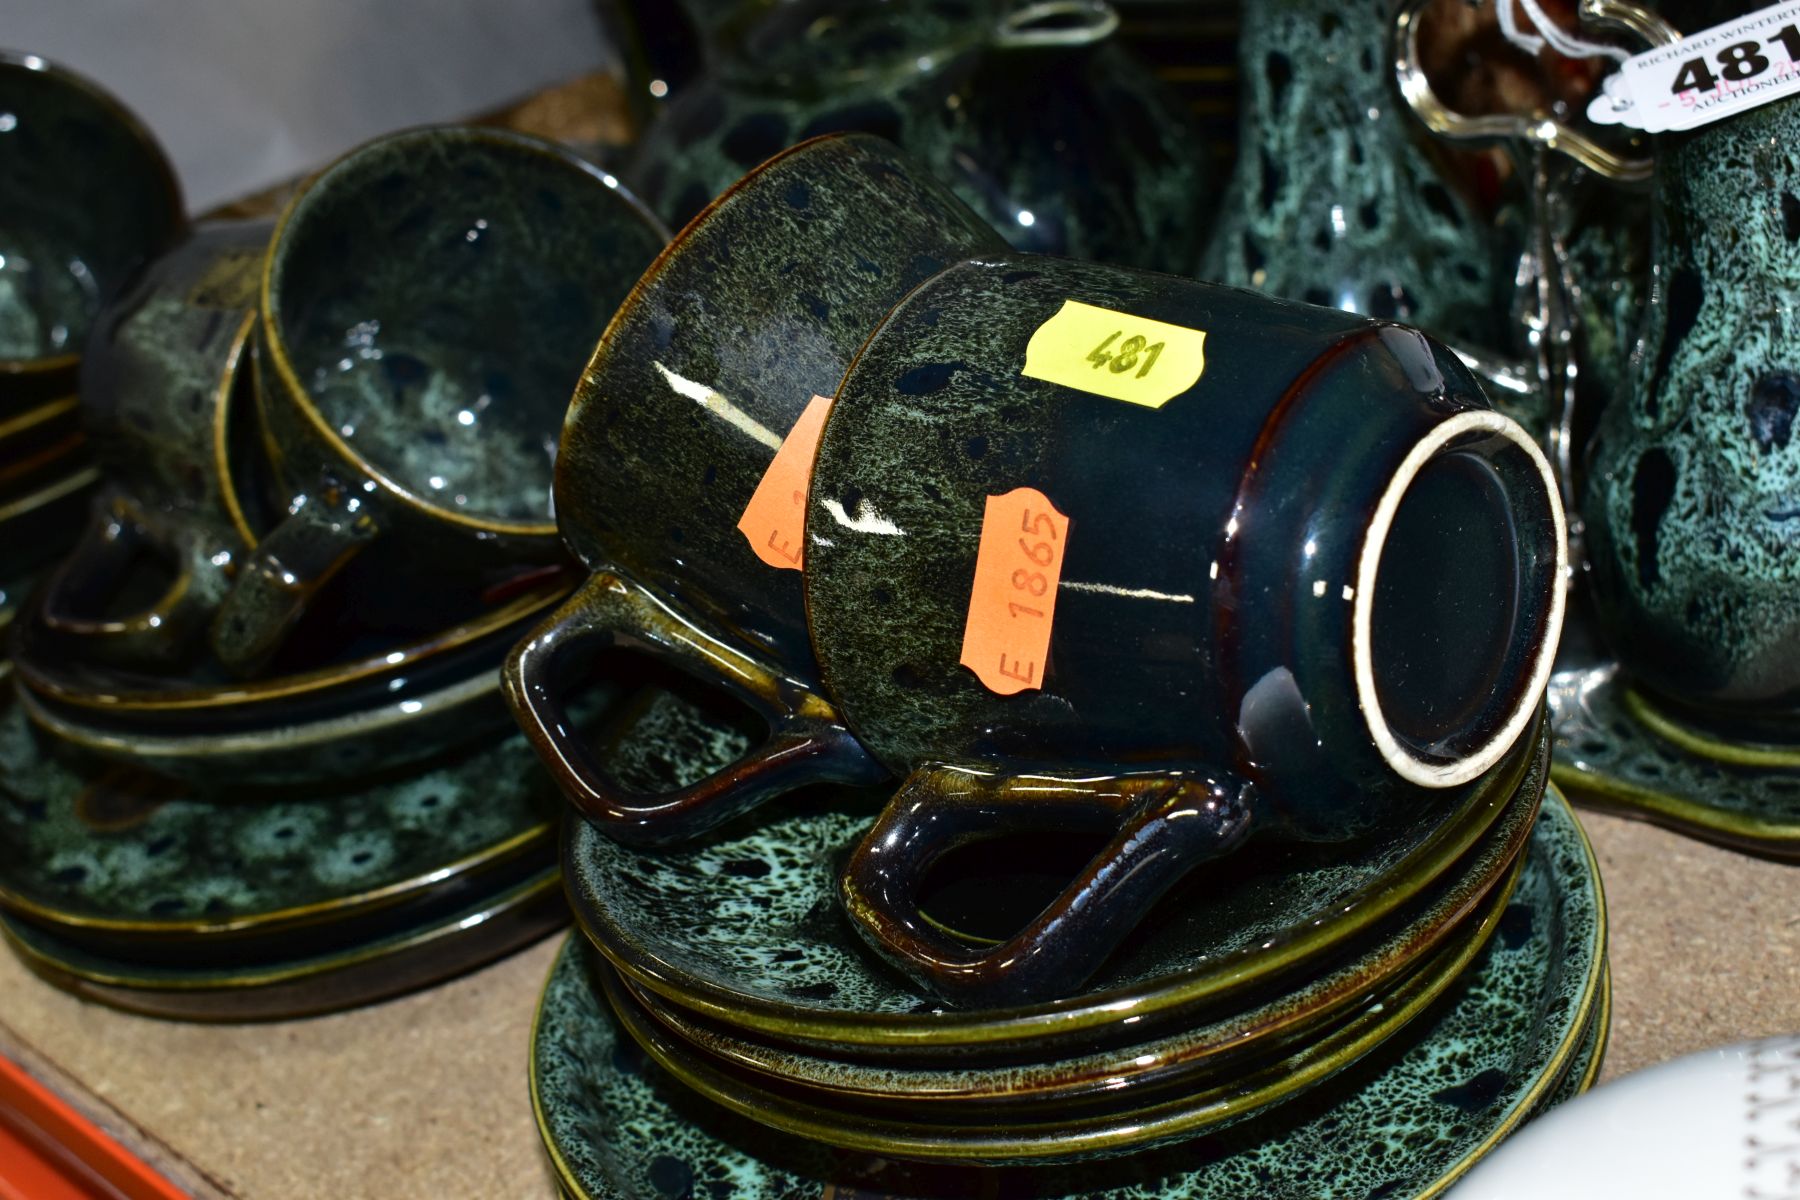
(1615,751)
(1188,1057)
(412,958)
(1404,1122)
(122,864)
(747,928)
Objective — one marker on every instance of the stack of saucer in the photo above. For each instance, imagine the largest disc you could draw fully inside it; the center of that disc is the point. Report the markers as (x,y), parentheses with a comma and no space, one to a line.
(254,757)
(97,197)
(1430,990)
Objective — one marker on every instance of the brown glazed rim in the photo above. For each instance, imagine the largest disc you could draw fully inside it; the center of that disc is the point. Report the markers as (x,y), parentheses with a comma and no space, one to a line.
(651,278)
(138,130)
(1407,765)
(1426,861)
(276,347)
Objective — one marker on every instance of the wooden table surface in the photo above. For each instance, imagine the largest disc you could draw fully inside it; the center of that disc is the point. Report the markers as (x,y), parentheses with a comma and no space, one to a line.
(426,1096)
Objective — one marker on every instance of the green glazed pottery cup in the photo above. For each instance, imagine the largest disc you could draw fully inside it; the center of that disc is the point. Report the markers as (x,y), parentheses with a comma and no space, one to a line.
(1693,491)
(1031,112)
(725,346)
(164,386)
(426,306)
(1172,563)
(86,194)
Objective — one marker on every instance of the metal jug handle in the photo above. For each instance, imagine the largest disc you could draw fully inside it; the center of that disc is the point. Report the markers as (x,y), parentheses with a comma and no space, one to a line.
(1056,24)
(1521,129)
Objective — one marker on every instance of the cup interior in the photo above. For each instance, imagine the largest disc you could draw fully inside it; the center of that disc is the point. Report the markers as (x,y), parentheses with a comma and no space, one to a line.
(1465,602)
(85,197)
(435,295)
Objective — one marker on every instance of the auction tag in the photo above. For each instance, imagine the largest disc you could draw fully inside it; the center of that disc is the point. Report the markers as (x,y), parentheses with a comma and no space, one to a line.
(1116,355)
(1706,76)
(1013,602)
(775,519)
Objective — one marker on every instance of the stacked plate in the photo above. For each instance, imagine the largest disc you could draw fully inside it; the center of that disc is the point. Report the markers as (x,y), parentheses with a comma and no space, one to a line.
(1312,1012)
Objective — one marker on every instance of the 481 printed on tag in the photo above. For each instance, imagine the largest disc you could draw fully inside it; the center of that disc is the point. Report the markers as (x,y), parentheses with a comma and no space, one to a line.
(1707,76)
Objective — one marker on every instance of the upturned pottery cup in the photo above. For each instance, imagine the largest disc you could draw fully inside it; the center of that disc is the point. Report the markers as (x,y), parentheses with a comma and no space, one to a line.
(1096,549)
(425,309)
(726,350)
(165,384)
(1693,494)
(86,195)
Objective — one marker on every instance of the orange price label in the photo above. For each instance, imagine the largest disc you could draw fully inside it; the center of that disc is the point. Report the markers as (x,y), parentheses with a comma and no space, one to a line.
(775,519)
(1013,603)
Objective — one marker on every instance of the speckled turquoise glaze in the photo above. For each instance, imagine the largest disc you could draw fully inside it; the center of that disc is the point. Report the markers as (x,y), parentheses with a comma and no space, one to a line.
(1693,499)
(87,196)
(1609,758)
(753,310)
(1072,149)
(1336,199)
(746,927)
(1403,1123)
(1240,1040)
(125,864)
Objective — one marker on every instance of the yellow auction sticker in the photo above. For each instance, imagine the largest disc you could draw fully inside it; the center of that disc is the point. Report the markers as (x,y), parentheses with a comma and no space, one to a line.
(1116,355)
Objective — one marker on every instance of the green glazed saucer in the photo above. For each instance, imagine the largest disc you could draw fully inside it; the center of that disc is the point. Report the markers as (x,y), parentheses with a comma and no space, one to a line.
(1218,1042)
(124,865)
(1403,1123)
(1044,1132)
(403,961)
(747,928)
(1616,752)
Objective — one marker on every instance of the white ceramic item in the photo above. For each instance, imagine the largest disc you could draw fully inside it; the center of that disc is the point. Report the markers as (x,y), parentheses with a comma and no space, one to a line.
(1719,1125)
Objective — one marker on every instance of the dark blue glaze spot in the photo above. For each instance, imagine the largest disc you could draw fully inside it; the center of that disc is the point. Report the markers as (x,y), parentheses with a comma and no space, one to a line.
(823,990)
(1773,401)
(756,137)
(977,446)
(746,868)
(1515,926)
(820,310)
(1790,216)
(924,380)
(798,195)
(671,1177)
(1651,490)
(1476,1094)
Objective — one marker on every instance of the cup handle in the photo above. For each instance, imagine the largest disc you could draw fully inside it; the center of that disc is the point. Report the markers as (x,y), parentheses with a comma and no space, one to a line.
(155,636)
(807,741)
(279,578)
(1163,825)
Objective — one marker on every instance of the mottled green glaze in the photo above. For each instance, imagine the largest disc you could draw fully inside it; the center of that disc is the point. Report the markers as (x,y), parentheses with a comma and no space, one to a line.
(747,927)
(1609,267)
(342,976)
(86,194)
(123,862)
(427,305)
(1606,757)
(755,309)
(752,312)
(1242,1038)
(1403,1123)
(435,294)
(1336,198)
(1072,150)
(1693,499)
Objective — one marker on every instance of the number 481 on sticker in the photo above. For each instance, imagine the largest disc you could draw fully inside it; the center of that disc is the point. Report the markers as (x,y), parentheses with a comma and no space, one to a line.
(1012,605)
